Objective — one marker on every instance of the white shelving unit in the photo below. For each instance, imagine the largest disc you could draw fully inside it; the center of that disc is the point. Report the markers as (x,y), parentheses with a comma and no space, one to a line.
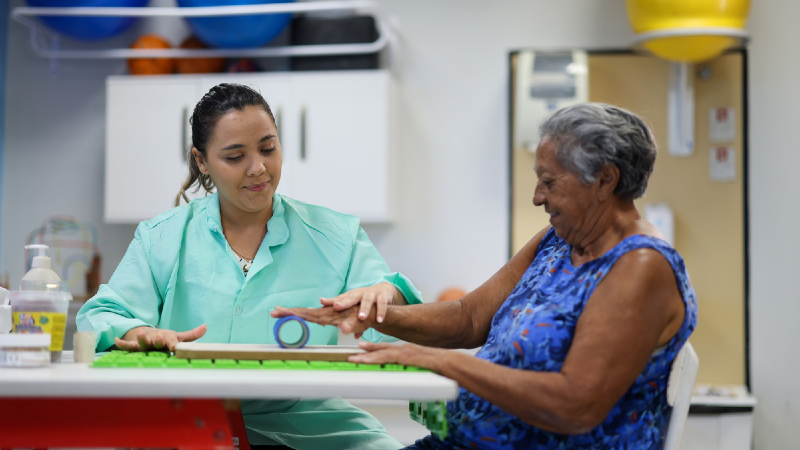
(334,125)
(48,44)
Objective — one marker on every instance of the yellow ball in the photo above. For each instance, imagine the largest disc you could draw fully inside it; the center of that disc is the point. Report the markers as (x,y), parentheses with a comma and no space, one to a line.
(691,49)
(651,15)
(681,17)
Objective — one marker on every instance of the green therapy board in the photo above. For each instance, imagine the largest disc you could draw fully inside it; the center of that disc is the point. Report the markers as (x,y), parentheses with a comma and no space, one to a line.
(118,358)
(431,414)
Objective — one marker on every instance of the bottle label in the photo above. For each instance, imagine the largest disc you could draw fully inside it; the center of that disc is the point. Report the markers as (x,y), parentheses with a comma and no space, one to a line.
(42,322)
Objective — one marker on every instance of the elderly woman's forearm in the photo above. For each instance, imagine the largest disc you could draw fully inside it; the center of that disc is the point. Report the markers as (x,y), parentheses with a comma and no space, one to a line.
(547,400)
(444,325)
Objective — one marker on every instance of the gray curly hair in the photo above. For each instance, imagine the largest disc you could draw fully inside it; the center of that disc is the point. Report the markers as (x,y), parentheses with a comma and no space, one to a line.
(590,135)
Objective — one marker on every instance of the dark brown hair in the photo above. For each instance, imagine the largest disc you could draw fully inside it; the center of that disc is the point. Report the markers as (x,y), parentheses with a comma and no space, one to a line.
(217,102)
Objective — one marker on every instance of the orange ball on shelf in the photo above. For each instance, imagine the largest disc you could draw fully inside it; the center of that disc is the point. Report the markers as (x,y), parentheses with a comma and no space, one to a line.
(451,294)
(198,65)
(151,66)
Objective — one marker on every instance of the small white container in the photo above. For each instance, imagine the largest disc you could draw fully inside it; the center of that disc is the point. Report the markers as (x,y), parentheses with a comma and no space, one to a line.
(83,344)
(24,350)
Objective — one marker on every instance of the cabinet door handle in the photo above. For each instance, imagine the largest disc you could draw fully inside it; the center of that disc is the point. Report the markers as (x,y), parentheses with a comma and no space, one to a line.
(303,133)
(184,122)
(278,122)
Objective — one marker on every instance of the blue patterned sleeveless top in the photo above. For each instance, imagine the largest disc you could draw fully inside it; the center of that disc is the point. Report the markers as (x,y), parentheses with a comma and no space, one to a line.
(533,330)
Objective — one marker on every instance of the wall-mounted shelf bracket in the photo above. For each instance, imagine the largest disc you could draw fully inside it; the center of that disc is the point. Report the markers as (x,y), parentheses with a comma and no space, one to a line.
(680,115)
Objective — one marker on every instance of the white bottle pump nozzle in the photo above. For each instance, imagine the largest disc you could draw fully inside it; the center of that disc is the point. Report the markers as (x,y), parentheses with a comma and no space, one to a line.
(40,267)
(41,260)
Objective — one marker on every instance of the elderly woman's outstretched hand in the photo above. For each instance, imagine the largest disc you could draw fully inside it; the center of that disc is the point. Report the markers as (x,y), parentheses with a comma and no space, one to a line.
(347,320)
(352,312)
(407,354)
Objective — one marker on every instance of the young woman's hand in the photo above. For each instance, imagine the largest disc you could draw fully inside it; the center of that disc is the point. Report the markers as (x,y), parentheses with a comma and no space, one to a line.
(142,339)
(381,295)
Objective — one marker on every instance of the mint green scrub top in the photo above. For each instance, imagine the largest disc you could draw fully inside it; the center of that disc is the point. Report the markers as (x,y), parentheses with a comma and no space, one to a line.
(179,273)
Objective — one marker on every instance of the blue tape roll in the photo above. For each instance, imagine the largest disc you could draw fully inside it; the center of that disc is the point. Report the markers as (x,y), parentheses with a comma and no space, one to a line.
(300,343)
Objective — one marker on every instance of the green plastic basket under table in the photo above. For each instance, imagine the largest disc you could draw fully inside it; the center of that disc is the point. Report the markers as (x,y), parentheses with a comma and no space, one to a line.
(431,414)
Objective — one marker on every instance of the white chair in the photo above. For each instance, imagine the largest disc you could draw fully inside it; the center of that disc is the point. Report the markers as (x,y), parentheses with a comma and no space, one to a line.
(679,393)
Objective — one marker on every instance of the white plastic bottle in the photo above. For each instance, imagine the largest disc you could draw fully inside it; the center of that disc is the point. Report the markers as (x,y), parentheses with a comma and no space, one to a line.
(42,302)
(40,270)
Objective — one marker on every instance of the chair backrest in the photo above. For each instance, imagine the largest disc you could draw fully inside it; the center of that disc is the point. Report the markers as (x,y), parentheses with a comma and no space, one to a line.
(679,393)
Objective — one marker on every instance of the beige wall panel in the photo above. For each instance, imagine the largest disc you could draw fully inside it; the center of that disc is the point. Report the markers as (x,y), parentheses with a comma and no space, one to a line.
(709,216)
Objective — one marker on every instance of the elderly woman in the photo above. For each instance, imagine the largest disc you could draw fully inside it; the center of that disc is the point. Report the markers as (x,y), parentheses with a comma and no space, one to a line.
(578,330)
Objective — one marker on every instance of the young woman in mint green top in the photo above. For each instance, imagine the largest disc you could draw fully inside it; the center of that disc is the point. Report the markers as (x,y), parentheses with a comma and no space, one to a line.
(212,270)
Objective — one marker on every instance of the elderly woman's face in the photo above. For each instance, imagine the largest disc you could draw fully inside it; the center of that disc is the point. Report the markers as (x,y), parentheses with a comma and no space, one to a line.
(569,202)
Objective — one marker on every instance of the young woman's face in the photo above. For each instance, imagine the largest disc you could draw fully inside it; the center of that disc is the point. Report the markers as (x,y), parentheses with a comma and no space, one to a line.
(243,159)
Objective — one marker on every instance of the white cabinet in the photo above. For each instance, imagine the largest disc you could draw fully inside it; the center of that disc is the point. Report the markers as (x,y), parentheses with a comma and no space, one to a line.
(334,129)
(146,137)
(343,156)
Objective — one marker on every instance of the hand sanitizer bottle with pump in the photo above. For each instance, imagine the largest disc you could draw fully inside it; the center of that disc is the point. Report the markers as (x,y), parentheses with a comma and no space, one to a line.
(42,302)
(40,275)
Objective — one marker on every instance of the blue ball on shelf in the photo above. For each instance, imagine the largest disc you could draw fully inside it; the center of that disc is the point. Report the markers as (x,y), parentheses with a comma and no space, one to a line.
(236,31)
(87,27)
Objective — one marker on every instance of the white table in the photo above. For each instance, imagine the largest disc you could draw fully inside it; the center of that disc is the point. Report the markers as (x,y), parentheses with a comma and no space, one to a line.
(79,380)
(54,397)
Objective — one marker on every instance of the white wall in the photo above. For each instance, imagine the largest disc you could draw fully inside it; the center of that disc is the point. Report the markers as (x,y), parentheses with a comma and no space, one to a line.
(453,229)
(452,59)
(452,68)
(774,215)
(53,159)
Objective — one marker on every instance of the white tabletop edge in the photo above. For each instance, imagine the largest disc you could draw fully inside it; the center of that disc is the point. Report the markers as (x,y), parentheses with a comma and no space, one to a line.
(79,380)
